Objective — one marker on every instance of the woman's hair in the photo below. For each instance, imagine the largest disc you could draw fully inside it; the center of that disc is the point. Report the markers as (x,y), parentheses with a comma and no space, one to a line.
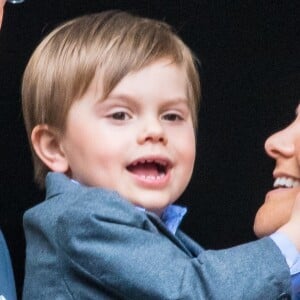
(113,43)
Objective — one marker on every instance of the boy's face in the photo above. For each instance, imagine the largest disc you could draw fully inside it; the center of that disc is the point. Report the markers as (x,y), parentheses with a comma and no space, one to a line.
(284,147)
(140,141)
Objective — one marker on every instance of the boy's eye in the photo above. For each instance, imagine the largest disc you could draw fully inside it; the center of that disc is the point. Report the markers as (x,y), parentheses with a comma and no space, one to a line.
(172,117)
(120,115)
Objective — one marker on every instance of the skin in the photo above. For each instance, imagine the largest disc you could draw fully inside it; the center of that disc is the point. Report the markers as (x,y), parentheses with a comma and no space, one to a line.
(145,117)
(2,2)
(284,148)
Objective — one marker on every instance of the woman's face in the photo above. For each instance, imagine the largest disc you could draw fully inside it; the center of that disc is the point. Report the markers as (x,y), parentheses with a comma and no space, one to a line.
(284,148)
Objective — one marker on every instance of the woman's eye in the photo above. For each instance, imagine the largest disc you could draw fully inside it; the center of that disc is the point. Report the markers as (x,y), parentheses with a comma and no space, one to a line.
(121,115)
(172,117)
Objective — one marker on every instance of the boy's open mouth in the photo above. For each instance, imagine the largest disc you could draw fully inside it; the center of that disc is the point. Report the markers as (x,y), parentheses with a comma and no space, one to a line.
(149,168)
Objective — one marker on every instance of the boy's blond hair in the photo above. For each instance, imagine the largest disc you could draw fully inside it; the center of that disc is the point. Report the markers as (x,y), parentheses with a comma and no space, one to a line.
(114,42)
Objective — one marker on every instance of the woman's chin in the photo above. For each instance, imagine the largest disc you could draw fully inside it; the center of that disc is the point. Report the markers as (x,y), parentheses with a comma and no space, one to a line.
(273,214)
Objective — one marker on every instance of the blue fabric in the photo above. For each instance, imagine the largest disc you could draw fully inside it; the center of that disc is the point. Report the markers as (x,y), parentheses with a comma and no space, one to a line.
(172,217)
(292,257)
(7,282)
(89,243)
(296,286)
(288,250)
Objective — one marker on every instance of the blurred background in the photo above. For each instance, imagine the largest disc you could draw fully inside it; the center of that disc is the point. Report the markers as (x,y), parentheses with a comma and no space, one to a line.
(250,75)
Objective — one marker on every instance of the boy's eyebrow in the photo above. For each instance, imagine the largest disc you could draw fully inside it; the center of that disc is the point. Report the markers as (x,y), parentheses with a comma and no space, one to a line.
(130,98)
(122,97)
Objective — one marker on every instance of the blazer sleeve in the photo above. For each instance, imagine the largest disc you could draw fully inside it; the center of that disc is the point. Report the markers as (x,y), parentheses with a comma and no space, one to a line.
(7,282)
(117,249)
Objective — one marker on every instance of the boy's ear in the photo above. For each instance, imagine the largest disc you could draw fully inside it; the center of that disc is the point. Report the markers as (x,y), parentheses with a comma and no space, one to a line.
(46,144)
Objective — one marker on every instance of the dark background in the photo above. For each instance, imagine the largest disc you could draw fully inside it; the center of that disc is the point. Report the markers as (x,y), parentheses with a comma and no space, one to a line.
(250,70)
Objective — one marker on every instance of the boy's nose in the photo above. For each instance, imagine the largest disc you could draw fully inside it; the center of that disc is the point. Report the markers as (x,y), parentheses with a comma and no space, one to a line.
(152,131)
(280,144)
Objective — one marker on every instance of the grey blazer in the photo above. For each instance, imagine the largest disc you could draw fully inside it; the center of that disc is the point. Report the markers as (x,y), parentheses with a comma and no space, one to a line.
(89,243)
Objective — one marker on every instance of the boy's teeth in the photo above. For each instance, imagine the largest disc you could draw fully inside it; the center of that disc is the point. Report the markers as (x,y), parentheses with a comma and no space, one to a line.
(286,182)
(152,178)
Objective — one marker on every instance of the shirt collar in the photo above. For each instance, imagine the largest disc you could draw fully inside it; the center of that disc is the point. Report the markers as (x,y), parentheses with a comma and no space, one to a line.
(172,216)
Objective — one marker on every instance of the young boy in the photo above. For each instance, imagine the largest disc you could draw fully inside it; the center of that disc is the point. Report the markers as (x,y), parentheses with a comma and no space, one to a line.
(110,105)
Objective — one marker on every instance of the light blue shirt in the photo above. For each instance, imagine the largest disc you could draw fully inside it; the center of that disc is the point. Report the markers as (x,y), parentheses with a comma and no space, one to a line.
(288,250)
(171,217)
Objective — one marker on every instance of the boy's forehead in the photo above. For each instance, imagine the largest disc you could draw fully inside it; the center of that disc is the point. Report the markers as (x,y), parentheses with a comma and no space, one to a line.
(103,75)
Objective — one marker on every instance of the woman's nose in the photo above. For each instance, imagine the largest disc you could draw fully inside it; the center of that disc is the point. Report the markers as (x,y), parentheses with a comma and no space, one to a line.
(280,143)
